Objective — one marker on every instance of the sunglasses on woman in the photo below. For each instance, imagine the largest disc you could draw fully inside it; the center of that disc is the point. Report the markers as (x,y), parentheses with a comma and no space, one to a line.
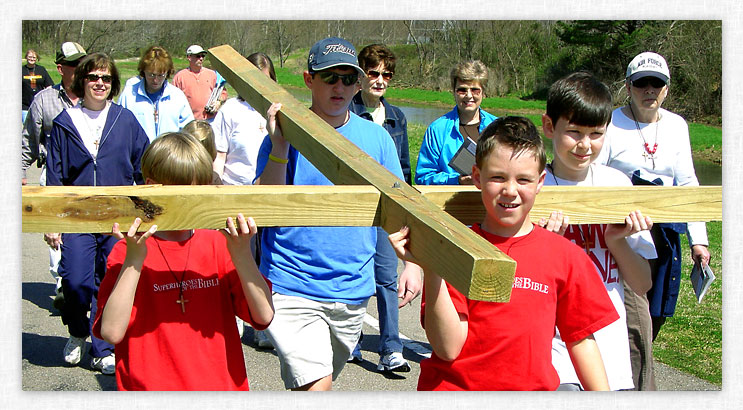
(374,74)
(644,81)
(330,78)
(95,77)
(462,91)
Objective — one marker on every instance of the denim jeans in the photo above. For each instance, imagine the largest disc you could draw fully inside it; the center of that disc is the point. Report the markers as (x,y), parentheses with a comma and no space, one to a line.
(385,277)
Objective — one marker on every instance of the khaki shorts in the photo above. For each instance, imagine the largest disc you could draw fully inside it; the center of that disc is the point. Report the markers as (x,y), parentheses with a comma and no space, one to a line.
(313,339)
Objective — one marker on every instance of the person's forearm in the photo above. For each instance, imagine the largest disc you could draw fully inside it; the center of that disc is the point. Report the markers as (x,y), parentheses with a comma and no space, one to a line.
(635,269)
(118,309)
(218,165)
(275,171)
(588,364)
(445,330)
(256,290)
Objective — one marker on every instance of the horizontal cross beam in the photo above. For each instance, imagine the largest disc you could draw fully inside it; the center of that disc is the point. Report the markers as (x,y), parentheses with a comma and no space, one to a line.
(95,209)
(594,205)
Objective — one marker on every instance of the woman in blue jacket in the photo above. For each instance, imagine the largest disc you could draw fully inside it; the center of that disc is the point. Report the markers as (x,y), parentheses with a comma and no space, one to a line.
(95,143)
(446,134)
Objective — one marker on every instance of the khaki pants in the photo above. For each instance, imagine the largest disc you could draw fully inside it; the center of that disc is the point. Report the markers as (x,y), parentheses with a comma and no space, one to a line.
(640,332)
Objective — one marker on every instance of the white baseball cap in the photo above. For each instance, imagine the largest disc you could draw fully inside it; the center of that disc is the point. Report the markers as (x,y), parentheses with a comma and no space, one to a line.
(648,64)
(195,49)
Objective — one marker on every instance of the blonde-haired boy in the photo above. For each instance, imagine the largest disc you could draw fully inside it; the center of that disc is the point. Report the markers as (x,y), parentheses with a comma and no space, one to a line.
(169,298)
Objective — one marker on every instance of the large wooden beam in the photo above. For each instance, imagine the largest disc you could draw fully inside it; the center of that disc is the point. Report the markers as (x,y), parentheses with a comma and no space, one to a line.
(95,209)
(588,205)
(443,245)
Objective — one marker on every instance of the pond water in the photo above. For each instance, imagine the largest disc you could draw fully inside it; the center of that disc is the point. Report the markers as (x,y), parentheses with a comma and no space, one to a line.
(708,172)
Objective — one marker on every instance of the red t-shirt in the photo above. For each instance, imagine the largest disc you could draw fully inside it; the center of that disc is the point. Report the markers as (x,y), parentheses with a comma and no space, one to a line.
(166,349)
(509,345)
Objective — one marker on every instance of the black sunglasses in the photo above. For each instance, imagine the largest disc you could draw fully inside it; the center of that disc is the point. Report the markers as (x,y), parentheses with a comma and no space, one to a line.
(374,74)
(644,81)
(329,77)
(95,77)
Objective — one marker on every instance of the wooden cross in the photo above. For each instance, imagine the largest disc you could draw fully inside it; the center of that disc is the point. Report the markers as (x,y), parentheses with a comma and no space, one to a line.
(182,302)
(365,194)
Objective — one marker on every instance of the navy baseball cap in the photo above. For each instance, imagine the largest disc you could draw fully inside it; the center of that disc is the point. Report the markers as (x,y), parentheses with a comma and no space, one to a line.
(332,52)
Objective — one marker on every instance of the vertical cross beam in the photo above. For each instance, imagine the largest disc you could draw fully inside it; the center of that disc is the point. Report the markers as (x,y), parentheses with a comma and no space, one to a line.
(443,245)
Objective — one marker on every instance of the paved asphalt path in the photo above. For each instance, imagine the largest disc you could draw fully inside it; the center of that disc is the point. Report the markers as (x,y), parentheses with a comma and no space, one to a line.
(44,337)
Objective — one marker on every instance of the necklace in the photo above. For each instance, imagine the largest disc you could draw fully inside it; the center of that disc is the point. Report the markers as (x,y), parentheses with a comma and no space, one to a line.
(649,152)
(463,127)
(155,112)
(181,301)
(95,129)
(588,244)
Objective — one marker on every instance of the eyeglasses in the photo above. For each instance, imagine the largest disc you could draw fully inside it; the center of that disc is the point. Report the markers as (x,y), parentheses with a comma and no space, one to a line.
(462,91)
(153,75)
(93,78)
(330,78)
(653,81)
(374,74)
(198,55)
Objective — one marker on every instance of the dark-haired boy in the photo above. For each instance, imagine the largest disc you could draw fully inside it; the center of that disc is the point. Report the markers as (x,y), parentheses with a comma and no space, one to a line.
(507,346)
(579,109)
(322,276)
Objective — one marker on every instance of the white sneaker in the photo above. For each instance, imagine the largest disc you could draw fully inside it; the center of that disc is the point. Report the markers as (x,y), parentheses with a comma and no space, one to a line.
(73,350)
(240,326)
(260,339)
(107,365)
(393,362)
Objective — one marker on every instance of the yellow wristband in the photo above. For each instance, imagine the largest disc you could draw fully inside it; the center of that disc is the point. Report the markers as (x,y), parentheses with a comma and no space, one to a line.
(277,159)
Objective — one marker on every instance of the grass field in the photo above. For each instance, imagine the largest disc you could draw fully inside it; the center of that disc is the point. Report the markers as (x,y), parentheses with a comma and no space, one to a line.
(692,339)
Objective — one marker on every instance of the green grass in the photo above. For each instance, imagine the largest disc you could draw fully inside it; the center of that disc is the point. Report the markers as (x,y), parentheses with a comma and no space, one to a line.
(705,137)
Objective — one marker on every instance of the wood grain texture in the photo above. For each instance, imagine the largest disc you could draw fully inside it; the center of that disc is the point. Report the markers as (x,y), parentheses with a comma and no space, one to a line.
(587,205)
(442,244)
(95,209)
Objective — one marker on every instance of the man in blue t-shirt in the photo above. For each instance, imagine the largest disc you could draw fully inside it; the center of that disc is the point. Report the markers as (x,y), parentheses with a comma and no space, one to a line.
(322,276)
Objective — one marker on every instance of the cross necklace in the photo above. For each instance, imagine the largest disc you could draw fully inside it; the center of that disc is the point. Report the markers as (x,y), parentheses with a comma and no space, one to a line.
(96,129)
(588,243)
(181,301)
(649,152)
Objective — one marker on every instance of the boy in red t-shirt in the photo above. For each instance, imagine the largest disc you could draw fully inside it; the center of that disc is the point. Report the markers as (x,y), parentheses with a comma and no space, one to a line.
(169,299)
(507,346)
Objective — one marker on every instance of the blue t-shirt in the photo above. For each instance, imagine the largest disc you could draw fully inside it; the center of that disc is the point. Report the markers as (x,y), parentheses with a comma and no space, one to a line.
(331,264)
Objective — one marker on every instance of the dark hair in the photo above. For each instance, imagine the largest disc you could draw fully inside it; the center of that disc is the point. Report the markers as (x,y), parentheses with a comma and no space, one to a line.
(374,54)
(517,133)
(156,58)
(262,61)
(92,62)
(581,99)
